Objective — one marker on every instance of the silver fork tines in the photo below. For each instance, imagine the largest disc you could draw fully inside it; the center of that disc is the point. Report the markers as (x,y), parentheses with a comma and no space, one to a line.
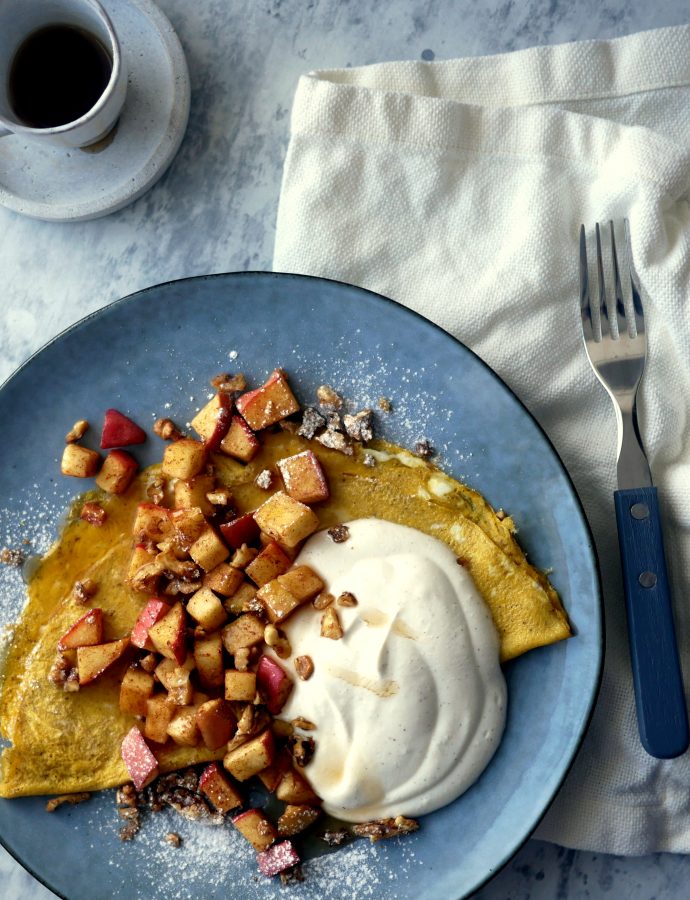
(616,345)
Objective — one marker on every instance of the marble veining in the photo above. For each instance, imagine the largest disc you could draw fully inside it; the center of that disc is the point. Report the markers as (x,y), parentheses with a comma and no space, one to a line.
(214,210)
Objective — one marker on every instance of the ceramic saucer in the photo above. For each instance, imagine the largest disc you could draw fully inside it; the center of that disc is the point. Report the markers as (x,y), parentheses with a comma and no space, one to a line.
(67,185)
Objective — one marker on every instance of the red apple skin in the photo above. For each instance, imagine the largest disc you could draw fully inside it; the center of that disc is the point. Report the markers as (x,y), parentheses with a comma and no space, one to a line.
(223,420)
(154,610)
(141,764)
(119,431)
(242,530)
(88,629)
(277,858)
(274,683)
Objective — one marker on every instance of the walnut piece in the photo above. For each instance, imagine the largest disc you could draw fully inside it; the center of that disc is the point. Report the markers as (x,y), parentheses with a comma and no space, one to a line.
(339,534)
(360,427)
(155,490)
(312,422)
(369,460)
(220,497)
(347,598)
(72,799)
(225,383)
(11,557)
(302,749)
(84,590)
(173,839)
(330,625)
(380,829)
(77,431)
(385,404)
(424,449)
(304,724)
(323,600)
(304,666)
(264,479)
(334,440)
(166,429)
(328,397)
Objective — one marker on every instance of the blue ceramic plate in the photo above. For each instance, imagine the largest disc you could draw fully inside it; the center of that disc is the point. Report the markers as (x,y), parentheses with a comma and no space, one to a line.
(152,354)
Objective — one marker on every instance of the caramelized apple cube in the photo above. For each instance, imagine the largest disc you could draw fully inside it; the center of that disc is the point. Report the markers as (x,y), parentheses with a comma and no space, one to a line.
(79,462)
(93,661)
(274,684)
(184,459)
(245,631)
(86,631)
(295,789)
(209,550)
(193,493)
(250,758)
(277,601)
(211,423)
(242,530)
(135,691)
(216,785)
(159,712)
(304,478)
(120,431)
(169,634)
(117,472)
(207,609)
(224,579)
(258,830)
(271,775)
(302,582)
(151,523)
(141,556)
(141,764)
(286,520)
(176,680)
(271,562)
(277,858)
(189,524)
(240,686)
(240,442)
(296,818)
(208,655)
(153,612)
(183,729)
(268,404)
(215,722)
(241,601)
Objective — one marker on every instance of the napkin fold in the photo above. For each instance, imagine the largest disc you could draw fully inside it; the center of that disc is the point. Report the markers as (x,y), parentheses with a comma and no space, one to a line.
(458,189)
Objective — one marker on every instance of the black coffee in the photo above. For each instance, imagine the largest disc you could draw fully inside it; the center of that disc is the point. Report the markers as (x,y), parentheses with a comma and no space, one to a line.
(57,75)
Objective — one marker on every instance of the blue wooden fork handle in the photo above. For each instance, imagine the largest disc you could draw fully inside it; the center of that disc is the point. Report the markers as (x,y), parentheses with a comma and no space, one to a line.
(659,696)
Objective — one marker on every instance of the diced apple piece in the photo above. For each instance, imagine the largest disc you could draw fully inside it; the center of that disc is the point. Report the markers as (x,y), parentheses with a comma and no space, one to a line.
(241,600)
(189,523)
(141,764)
(169,634)
(242,530)
(141,556)
(277,858)
(269,564)
(258,830)
(176,680)
(304,477)
(193,493)
(286,520)
(277,601)
(184,459)
(207,609)
(250,758)
(216,785)
(216,723)
(159,712)
(93,661)
(268,404)
(151,522)
(273,683)
(79,462)
(271,775)
(224,579)
(120,431)
(302,582)
(135,690)
(86,631)
(183,729)
(296,818)
(153,612)
(293,788)
(240,686)
(245,631)
(117,472)
(209,550)
(240,442)
(208,655)
(212,422)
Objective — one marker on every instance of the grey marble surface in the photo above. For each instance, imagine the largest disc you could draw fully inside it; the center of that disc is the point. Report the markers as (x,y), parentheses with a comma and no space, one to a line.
(214,210)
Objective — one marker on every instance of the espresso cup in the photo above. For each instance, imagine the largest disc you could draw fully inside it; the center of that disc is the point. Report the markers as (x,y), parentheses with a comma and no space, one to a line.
(33,80)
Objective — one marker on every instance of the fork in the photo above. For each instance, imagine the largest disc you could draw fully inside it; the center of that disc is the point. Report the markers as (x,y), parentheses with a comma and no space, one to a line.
(616,345)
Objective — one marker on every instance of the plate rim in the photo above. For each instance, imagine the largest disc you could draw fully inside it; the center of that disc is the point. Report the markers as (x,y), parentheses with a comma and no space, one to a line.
(269,275)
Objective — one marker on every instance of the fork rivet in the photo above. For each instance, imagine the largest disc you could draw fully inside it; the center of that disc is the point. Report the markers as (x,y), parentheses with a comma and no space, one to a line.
(647,579)
(639,511)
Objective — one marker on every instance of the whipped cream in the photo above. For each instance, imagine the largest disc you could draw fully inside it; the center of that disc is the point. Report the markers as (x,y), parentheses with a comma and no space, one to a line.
(410,703)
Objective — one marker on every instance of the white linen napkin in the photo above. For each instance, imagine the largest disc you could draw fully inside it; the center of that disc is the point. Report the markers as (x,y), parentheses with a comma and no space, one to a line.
(458,188)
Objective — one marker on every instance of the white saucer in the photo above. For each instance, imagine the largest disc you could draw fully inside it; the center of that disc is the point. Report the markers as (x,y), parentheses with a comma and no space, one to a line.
(62,185)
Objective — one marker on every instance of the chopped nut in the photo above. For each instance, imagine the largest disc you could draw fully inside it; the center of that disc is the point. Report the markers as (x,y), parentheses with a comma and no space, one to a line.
(304,724)
(243,556)
(339,533)
(166,429)
(302,749)
(271,635)
(264,479)
(242,659)
(424,449)
(336,838)
(282,648)
(225,383)
(334,440)
(369,460)
(77,431)
(304,666)
(385,828)
(155,490)
(501,514)
(64,674)
(11,557)
(333,422)
(328,397)
(71,684)
(293,875)
(330,625)
(347,599)
(127,796)
(72,799)
(84,590)
(462,561)
(361,426)
(149,662)
(220,497)
(322,600)
(312,422)
(173,839)
(132,823)
(385,404)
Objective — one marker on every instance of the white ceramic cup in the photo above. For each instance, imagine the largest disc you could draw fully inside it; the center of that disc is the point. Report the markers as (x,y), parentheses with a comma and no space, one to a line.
(19,19)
